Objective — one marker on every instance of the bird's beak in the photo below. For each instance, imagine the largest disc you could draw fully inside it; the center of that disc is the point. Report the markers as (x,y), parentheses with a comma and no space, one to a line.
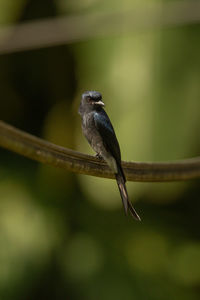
(99,103)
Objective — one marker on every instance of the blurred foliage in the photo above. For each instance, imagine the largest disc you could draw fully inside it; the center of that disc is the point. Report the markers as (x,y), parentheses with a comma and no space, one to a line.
(64,236)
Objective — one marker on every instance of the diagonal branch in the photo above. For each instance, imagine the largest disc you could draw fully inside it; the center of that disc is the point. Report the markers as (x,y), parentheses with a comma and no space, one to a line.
(40,150)
(82,27)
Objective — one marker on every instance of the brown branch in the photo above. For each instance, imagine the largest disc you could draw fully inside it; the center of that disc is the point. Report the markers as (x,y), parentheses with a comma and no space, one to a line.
(40,150)
(65,30)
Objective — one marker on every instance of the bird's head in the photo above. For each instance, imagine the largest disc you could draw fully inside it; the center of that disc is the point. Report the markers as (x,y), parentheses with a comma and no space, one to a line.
(91,100)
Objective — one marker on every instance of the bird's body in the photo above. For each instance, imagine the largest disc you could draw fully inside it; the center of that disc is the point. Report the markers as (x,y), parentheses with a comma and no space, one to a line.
(90,126)
(100,134)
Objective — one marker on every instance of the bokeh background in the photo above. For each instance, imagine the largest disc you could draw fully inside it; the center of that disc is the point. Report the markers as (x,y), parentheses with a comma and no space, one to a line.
(65,236)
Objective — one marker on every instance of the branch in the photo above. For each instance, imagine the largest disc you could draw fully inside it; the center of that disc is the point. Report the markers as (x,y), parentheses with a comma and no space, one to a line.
(65,30)
(40,150)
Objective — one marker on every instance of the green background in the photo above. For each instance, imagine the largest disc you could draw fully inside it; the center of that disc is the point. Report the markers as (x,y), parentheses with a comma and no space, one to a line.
(65,236)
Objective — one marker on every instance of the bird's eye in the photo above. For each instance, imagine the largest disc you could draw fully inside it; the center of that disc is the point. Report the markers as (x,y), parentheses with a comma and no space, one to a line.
(89,99)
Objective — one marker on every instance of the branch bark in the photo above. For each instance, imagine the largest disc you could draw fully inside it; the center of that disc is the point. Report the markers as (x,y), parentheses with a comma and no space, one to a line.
(43,151)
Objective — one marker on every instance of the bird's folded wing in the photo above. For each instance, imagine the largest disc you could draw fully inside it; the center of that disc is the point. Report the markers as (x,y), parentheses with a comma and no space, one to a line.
(107,133)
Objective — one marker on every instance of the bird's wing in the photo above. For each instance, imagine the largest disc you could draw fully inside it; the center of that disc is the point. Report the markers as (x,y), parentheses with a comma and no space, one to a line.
(106,131)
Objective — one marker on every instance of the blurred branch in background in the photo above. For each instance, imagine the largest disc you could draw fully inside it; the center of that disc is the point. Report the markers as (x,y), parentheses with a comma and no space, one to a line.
(64,30)
(40,150)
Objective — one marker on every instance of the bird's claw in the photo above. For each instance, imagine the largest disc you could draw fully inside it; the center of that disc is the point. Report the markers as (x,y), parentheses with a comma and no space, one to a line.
(99,156)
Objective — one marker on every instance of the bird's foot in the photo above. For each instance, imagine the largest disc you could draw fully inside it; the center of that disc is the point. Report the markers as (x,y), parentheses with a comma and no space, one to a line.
(99,156)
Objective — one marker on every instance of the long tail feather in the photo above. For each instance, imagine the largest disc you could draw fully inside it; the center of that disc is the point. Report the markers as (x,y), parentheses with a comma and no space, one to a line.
(124,195)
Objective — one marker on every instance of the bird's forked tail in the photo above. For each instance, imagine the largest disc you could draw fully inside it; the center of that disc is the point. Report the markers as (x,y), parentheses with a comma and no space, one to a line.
(124,195)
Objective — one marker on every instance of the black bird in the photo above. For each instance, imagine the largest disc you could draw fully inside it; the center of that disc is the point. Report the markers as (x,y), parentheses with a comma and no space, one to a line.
(100,134)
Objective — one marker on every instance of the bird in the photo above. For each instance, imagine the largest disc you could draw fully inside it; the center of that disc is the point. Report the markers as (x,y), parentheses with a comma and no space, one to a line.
(99,132)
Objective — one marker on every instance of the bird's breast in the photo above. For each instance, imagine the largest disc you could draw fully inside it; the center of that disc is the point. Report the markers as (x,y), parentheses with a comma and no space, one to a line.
(89,129)
(87,120)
